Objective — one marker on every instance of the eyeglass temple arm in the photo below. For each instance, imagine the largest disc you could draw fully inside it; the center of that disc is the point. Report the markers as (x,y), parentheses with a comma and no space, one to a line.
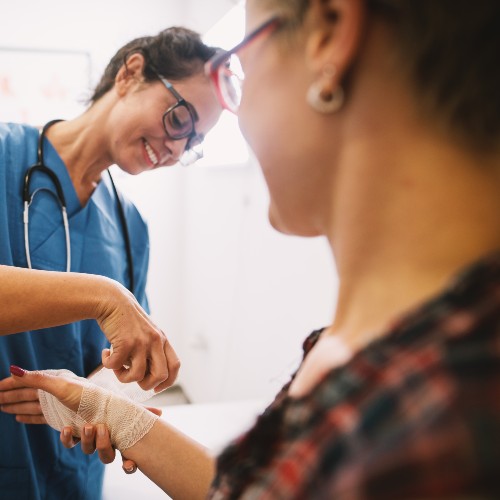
(215,62)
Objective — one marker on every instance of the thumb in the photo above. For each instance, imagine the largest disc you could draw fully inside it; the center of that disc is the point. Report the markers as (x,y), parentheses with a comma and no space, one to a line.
(68,393)
(156,411)
(114,359)
(34,379)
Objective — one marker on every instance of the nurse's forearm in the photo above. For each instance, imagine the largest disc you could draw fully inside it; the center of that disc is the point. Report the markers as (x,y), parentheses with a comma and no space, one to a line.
(177,464)
(34,299)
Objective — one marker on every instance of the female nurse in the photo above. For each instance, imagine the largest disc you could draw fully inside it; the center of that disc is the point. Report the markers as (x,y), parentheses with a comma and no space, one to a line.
(152,108)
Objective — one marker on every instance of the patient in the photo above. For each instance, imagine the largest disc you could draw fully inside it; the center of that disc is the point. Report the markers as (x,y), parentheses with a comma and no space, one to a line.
(376,124)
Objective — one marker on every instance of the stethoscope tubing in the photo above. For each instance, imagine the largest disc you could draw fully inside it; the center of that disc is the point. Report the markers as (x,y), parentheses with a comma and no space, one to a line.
(27,237)
(59,195)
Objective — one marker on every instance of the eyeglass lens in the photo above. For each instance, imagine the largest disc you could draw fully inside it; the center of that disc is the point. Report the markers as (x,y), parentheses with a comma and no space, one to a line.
(226,71)
(231,78)
(178,122)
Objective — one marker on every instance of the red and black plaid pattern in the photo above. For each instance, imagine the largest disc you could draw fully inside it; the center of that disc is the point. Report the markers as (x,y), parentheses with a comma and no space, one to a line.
(414,415)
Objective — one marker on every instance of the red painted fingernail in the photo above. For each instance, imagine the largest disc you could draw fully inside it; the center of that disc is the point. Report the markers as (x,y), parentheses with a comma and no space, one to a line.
(18,372)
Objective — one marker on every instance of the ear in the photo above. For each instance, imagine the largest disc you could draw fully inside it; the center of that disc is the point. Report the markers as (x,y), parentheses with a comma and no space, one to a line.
(130,73)
(336,29)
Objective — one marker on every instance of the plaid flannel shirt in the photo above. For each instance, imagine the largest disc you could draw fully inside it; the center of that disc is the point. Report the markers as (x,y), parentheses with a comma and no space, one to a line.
(414,415)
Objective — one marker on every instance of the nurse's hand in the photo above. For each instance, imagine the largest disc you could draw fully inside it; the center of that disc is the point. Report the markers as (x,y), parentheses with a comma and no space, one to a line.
(97,438)
(141,351)
(21,401)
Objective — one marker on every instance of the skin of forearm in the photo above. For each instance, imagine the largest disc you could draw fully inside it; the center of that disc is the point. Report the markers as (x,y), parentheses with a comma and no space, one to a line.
(178,465)
(34,299)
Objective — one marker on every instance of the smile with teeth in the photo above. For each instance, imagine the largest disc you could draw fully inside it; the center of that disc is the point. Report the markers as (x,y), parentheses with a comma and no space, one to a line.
(150,152)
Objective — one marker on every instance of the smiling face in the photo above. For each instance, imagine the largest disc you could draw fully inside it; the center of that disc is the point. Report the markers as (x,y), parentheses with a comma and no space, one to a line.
(137,138)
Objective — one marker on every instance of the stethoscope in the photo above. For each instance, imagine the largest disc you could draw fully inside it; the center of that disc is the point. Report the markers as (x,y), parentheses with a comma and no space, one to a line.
(59,195)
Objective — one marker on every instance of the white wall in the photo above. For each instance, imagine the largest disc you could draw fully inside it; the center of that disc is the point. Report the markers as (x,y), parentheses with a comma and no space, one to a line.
(252,294)
(99,27)
(235,297)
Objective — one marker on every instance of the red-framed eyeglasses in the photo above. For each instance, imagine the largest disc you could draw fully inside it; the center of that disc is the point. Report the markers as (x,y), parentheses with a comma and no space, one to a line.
(225,68)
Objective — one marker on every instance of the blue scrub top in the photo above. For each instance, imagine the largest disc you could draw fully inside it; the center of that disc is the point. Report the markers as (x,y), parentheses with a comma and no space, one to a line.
(33,463)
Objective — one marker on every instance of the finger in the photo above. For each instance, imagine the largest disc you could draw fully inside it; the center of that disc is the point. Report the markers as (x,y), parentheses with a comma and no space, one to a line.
(156,411)
(36,380)
(87,439)
(106,353)
(157,372)
(32,408)
(67,438)
(103,444)
(9,383)
(174,365)
(128,466)
(117,356)
(18,395)
(31,419)
(136,371)
(134,366)
(68,392)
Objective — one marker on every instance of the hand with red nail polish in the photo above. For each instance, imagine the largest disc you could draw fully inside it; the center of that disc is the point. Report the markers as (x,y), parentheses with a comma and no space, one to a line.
(20,400)
(68,393)
(15,370)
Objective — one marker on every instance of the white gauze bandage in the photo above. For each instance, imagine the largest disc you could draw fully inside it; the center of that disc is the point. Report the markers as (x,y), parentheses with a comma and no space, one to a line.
(127,421)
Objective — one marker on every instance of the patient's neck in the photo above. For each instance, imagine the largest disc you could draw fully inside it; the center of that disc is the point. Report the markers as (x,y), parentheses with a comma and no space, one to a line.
(410,217)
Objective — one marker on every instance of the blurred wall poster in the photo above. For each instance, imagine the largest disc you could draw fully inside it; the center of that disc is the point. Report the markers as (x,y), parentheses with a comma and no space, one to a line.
(39,85)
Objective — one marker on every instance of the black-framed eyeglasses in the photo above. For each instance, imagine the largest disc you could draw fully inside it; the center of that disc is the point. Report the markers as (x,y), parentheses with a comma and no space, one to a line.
(226,72)
(179,123)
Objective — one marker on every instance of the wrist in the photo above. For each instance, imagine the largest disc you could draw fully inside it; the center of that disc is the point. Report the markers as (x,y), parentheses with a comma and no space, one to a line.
(109,296)
(128,422)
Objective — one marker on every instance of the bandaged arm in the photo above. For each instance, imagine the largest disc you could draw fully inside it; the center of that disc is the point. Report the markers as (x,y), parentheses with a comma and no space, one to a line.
(176,463)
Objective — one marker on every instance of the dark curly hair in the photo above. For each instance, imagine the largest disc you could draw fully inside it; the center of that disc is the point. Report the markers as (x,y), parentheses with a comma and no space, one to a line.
(175,53)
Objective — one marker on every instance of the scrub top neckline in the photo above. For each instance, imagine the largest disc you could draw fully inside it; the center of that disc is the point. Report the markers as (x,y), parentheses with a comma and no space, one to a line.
(55,163)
